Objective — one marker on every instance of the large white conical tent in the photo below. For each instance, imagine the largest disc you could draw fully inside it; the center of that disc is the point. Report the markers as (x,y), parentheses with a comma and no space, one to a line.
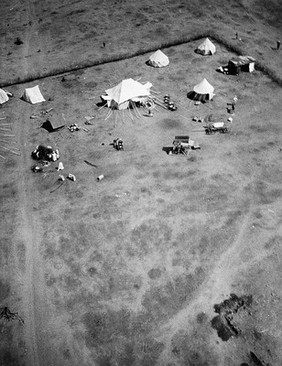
(158,59)
(202,91)
(206,48)
(120,96)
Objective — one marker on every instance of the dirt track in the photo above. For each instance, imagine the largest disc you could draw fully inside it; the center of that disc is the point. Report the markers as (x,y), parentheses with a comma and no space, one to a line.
(34,297)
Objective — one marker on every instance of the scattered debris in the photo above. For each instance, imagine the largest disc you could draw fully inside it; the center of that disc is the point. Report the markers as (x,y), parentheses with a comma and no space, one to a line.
(60,166)
(197,119)
(8,315)
(211,128)
(170,105)
(18,41)
(45,112)
(118,144)
(45,163)
(36,169)
(224,322)
(85,129)
(88,162)
(88,119)
(181,145)
(72,177)
(61,178)
(193,145)
(121,194)
(45,153)
(73,127)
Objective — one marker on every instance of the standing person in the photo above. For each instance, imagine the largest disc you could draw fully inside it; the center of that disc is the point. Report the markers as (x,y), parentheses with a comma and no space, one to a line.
(278,45)
(150,113)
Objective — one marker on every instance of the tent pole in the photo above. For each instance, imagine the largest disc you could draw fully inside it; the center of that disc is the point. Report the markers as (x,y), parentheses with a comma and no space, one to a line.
(115,116)
(132,118)
(104,105)
(123,117)
(108,114)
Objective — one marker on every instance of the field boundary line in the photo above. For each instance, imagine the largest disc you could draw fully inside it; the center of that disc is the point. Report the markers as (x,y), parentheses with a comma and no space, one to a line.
(128,55)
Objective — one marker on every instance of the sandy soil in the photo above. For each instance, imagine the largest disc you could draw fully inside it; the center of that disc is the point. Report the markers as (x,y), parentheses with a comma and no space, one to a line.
(127,271)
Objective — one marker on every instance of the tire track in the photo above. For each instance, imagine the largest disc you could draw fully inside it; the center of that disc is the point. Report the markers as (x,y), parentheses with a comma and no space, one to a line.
(34,298)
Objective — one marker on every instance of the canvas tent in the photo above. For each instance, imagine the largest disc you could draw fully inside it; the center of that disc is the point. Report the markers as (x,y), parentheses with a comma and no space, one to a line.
(33,95)
(125,93)
(206,48)
(202,91)
(158,59)
(52,125)
(3,96)
(241,63)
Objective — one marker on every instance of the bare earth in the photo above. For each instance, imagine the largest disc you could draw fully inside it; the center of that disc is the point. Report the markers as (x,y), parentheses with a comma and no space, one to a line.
(126,271)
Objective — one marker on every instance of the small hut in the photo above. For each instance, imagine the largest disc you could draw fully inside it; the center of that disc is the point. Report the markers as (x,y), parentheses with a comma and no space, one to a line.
(241,63)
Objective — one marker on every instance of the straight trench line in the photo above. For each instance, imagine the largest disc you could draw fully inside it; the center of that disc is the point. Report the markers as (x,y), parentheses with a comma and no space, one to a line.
(116,58)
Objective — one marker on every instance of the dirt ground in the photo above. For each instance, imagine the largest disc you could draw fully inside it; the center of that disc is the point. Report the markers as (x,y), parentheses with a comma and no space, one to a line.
(128,270)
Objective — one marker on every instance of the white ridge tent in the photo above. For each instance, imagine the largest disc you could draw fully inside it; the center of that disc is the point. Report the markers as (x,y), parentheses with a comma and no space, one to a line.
(206,48)
(33,95)
(158,59)
(3,96)
(203,91)
(127,91)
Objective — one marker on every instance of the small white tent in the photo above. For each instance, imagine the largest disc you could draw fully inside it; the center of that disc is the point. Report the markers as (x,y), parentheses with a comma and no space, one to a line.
(206,48)
(158,59)
(3,96)
(129,90)
(203,91)
(33,95)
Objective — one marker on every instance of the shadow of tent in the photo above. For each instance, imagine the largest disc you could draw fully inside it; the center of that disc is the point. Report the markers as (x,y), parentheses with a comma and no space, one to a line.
(197,97)
(101,103)
(199,52)
(148,63)
(52,126)
(167,149)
